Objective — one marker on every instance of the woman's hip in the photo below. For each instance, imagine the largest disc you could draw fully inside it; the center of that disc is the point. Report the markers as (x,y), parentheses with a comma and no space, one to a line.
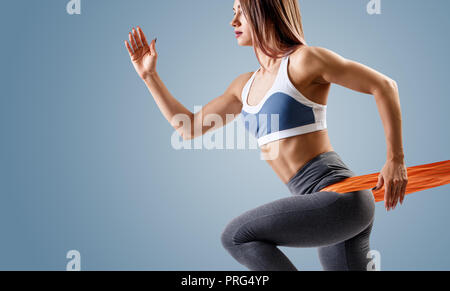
(326,169)
(322,170)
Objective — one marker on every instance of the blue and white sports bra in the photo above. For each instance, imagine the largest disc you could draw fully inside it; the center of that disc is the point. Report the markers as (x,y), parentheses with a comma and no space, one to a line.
(283,112)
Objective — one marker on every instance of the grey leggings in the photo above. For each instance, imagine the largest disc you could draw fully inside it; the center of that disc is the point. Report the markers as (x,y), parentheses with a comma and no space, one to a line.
(339,225)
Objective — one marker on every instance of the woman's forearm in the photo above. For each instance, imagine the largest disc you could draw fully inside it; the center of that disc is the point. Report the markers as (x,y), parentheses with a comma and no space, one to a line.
(168,105)
(388,103)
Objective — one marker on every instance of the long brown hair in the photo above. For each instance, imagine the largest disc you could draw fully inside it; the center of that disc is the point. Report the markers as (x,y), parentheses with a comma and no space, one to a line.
(276,25)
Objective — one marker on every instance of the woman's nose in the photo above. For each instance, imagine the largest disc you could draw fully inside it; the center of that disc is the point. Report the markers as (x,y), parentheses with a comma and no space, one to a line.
(234,21)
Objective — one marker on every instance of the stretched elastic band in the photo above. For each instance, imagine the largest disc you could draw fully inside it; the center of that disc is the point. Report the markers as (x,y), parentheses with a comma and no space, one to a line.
(420,177)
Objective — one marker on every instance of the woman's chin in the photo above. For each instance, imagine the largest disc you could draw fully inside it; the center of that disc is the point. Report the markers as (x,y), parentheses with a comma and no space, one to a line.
(242,43)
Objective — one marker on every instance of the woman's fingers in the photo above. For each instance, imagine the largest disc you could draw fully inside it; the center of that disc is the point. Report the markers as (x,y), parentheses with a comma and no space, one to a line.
(403,192)
(400,190)
(386,196)
(393,194)
(130,51)
(133,43)
(143,38)
(397,189)
(389,194)
(137,38)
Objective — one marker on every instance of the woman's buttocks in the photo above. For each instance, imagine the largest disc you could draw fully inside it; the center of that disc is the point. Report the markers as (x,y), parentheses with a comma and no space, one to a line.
(357,206)
(328,168)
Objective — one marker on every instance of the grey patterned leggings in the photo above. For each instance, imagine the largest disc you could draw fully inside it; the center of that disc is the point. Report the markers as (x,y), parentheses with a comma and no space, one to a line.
(339,225)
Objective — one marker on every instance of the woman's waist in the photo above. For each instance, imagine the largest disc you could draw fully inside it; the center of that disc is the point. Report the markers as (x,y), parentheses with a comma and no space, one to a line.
(288,155)
(322,170)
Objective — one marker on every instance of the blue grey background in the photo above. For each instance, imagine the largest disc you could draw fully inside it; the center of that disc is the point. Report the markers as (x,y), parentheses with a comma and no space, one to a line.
(86,159)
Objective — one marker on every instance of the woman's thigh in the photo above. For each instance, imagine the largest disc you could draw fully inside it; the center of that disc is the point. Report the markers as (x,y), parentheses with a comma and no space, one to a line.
(310,220)
(349,255)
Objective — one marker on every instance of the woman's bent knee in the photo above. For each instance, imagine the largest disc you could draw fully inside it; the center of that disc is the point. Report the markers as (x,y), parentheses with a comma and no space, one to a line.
(228,234)
(226,239)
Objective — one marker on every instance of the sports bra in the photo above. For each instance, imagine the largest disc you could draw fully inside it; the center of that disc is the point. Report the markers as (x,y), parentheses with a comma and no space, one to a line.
(283,112)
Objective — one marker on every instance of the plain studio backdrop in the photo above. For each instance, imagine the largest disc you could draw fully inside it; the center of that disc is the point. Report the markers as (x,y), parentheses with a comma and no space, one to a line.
(86,157)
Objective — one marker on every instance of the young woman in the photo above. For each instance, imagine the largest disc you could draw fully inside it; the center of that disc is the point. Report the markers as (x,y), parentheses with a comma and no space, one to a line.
(293,81)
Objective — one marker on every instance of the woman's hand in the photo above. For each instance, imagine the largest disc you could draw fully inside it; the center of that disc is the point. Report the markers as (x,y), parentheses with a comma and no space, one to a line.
(395,178)
(142,55)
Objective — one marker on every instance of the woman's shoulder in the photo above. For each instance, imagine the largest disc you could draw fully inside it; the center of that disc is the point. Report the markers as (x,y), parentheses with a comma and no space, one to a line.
(312,54)
(241,80)
(307,64)
(309,60)
(305,53)
(238,83)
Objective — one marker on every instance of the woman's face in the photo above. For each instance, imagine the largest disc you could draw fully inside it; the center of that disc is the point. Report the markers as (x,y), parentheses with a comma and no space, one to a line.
(240,24)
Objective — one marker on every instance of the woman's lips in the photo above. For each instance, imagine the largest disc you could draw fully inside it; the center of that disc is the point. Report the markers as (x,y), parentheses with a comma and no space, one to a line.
(238,34)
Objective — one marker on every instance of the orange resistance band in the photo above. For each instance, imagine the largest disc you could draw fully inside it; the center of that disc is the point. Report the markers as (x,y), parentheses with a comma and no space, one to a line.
(420,177)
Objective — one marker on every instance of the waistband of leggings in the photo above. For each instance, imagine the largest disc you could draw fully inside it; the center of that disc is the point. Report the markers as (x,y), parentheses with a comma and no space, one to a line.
(310,162)
(322,170)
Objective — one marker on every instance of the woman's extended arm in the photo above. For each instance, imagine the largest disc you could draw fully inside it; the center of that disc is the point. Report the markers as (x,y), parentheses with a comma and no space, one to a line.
(332,68)
(144,57)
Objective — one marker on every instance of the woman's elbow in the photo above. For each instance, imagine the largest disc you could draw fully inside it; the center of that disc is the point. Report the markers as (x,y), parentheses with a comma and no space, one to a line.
(186,134)
(387,84)
(394,84)
(183,125)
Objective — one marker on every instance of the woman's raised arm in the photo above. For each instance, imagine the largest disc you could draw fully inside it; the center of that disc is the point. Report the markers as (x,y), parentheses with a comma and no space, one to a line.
(144,58)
